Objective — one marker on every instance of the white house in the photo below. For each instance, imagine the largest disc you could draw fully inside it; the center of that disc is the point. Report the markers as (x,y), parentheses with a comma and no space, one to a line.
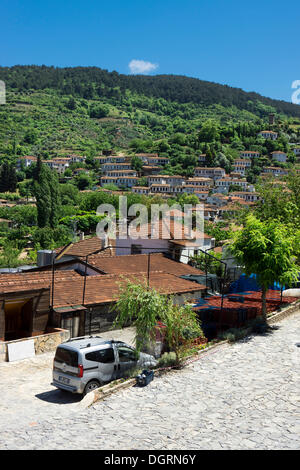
(224,184)
(240,166)
(214,173)
(123,181)
(58,164)
(249,154)
(166,236)
(202,158)
(275,171)
(268,135)
(175,180)
(115,166)
(296,151)
(27,161)
(279,156)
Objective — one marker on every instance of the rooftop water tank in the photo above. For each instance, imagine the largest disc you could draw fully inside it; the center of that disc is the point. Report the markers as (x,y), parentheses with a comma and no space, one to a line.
(45,257)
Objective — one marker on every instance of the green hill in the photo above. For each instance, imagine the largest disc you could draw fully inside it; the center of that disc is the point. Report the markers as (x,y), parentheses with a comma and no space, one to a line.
(53,111)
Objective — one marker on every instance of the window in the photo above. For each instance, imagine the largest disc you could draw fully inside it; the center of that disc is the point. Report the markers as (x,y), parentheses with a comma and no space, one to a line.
(127,354)
(66,356)
(104,356)
(136,249)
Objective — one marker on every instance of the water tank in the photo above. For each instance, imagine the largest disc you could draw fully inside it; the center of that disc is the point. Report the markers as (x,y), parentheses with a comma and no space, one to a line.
(45,257)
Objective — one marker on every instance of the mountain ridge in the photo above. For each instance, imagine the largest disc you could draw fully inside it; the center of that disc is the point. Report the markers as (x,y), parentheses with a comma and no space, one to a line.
(78,81)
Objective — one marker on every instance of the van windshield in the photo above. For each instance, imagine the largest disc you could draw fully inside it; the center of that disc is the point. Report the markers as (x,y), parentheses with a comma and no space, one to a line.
(67,356)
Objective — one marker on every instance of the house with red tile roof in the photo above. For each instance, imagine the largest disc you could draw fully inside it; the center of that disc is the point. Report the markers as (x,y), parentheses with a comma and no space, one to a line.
(72,297)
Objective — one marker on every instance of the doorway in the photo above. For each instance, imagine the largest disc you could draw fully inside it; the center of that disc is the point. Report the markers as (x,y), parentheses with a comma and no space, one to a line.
(18,319)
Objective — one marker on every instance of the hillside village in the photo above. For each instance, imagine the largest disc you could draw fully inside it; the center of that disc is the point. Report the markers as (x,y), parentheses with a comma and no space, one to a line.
(149,228)
(75,276)
(223,191)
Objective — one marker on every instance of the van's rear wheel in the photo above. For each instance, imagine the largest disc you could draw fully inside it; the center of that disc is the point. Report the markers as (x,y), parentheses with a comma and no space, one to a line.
(92,385)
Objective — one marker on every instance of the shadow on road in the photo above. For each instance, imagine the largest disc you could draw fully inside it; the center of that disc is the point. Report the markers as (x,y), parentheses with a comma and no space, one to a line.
(60,397)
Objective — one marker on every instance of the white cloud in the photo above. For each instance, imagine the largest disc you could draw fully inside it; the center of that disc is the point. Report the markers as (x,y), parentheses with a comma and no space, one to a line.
(141,66)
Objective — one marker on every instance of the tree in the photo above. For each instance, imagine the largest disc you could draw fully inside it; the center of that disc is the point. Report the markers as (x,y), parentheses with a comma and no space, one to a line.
(8,178)
(69,194)
(143,307)
(9,257)
(268,250)
(181,327)
(280,202)
(83,181)
(46,191)
(98,111)
(71,104)
(136,163)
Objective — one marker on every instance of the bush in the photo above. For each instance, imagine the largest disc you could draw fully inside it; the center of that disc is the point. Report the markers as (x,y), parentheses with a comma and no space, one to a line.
(234,334)
(168,359)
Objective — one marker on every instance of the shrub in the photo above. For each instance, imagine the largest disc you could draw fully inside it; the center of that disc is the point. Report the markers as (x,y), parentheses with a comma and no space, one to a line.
(168,359)
(234,334)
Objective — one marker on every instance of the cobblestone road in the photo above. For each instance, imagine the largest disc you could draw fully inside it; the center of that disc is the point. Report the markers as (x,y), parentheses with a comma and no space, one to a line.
(244,396)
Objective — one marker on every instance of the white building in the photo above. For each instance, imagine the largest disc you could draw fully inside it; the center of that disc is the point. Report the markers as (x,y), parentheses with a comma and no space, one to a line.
(249,154)
(275,171)
(176,180)
(279,156)
(240,166)
(214,173)
(58,164)
(165,236)
(296,151)
(27,161)
(224,184)
(268,135)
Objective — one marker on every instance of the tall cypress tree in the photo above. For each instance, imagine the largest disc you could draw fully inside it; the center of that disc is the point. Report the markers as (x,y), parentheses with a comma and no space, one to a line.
(46,191)
(12,179)
(4,175)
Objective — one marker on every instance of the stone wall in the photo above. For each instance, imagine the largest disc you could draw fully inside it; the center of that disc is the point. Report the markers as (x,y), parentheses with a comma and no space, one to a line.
(42,343)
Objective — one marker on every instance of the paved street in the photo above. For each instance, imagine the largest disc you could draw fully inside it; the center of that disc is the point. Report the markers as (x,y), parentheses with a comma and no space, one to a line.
(244,396)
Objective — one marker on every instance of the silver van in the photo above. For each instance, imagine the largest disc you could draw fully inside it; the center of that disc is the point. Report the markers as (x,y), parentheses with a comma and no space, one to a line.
(82,364)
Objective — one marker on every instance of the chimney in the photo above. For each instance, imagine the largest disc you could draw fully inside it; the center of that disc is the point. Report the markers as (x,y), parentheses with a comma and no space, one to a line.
(81,236)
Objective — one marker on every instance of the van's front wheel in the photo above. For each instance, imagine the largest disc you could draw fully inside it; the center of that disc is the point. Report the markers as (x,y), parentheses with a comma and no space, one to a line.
(90,386)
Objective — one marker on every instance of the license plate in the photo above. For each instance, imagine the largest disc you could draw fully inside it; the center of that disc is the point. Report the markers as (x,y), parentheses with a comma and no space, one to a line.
(63,379)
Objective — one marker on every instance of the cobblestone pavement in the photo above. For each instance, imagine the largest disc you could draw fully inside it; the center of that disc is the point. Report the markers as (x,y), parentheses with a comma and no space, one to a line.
(244,396)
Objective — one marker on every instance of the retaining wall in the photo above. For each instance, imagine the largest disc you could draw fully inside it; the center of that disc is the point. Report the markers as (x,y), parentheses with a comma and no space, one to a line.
(42,343)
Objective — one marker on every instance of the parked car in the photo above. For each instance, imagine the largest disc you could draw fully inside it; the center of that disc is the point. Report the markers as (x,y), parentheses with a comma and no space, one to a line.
(82,364)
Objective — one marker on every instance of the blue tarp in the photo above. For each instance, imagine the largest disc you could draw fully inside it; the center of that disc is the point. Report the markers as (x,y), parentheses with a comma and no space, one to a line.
(245,284)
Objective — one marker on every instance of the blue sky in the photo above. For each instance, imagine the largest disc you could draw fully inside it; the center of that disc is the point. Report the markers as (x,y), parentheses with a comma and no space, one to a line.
(250,45)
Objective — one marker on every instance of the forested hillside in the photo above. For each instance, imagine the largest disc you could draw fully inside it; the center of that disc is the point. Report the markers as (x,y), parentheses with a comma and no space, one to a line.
(82,111)
(52,112)
(90,82)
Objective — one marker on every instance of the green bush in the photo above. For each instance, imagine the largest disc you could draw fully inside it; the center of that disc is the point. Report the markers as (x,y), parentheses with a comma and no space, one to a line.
(168,359)
(234,334)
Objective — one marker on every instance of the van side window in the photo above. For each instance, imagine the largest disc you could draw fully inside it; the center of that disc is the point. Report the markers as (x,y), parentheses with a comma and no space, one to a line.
(102,355)
(126,354)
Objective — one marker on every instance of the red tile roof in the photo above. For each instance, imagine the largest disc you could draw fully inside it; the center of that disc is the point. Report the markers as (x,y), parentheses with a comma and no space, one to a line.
(125,264)
(106,288)
(85,247)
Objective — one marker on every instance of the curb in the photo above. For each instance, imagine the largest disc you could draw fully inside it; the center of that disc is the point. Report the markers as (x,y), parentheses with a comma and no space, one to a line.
(285,312)
(102,392)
